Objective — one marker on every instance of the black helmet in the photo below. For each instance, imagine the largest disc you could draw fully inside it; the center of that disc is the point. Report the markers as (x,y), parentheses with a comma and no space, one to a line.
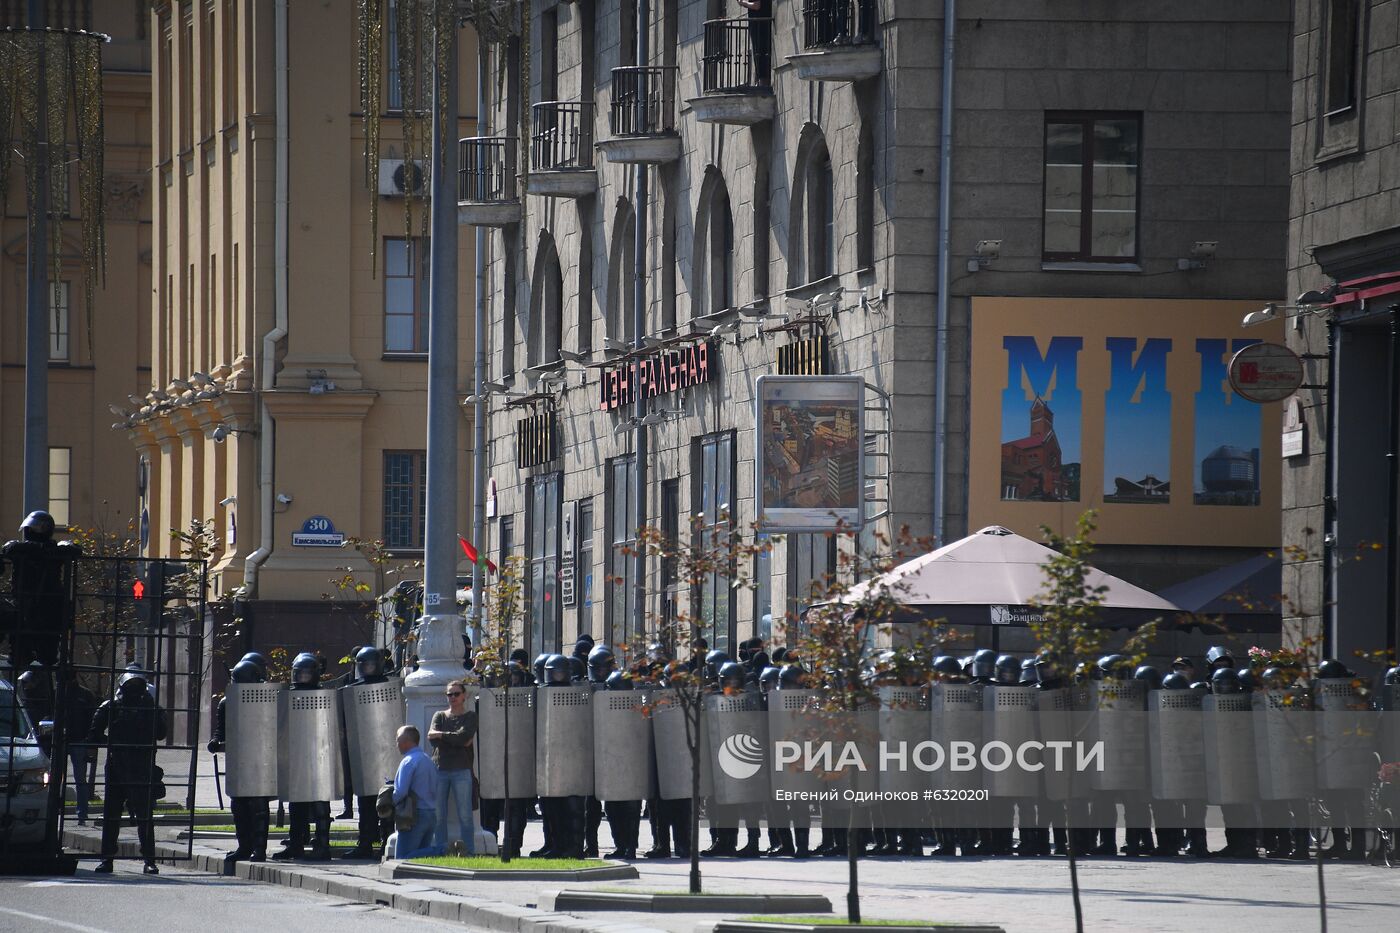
(583,645)
(578,667)
(1008,669)
(1045,671)
(538,666)
(731,675)
(768,679)
(945,665)
(1027,671)
(1332,669)
(656,651)
(779,654)
(601,662)
(520,656)
(306,669)
(257,658)
(1175,681)
(37,526)
(1247,681)
(246,672)
(1110,667)
(558,670)
(369,662)
(713,661)
(1226,680)
(984,664)
(618,680)
(1218,654)
(1150,674)
(790,677)
(1202,685)
(1272,677)
(132,683)
(1392,677)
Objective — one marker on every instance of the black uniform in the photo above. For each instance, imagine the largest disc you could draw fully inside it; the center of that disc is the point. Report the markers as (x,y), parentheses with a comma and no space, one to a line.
(250,817)
(306,675)
(130,726)
(39,569)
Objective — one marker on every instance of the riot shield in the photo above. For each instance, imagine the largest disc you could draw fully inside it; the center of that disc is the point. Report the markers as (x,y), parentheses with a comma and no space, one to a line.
(1009,716)
(1389,726)
(491,733)
(903,725)
(1056,716)
(1283,746)
(738,731)
(564,741)
(1232,776)
(250,739)
(622,746)
(308,760)
(672,746)
(791,720)
(1117,718)
(373,714)
(1176,745)
(955,721)
(1346,737)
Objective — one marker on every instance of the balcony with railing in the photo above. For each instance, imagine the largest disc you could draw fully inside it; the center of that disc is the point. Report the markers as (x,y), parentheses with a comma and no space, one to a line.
(561,149)
(486,181)
(642,117)
(838,41)
(736,72)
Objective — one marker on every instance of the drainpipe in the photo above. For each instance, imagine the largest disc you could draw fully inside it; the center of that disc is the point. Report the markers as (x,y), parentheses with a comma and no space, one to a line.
(639,317)
(479,465)
(945,199)
(272,338)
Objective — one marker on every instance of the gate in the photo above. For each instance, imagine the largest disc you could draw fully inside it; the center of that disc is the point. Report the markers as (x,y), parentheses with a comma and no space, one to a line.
(87,622)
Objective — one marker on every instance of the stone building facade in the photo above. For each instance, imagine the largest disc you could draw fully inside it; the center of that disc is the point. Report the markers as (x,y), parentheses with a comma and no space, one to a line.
(1339,494)
(794,195)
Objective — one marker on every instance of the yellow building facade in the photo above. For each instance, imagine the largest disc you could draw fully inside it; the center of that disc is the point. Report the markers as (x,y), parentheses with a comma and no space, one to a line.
(287,393)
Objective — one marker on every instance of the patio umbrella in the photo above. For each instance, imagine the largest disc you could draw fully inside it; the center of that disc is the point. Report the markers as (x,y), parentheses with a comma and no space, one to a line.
(1244,596)
(992,577)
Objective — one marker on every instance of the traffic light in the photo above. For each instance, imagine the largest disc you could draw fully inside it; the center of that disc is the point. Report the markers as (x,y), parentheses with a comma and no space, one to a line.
(149,594)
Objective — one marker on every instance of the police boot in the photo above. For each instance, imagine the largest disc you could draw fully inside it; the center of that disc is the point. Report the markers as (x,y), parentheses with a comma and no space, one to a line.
(828,840)
(840,840)
(1278,844)
(801,839)
(321,845)
(1168,843)
(1356,852)
(1302,844)
(751,850)
(261,825)
(782,842)
(1061,847)
(1134,847)
(1196,843)
(944,844)
(1108,843)
(1338,849)
(911,843)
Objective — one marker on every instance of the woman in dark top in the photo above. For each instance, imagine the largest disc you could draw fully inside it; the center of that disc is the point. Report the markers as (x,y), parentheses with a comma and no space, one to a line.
(761,35)
(452,736)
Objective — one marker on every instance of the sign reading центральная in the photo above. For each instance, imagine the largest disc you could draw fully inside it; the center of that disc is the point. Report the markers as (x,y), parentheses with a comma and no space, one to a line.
(662,372)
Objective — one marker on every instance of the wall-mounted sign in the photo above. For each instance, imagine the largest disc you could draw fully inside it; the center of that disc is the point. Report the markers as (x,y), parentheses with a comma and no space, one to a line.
(491,497)
(806,357)
(568,543)
(1295,430)
(1265,372)
(658,374)
(1123,406)
(317,531)
(809,458)
(534,440)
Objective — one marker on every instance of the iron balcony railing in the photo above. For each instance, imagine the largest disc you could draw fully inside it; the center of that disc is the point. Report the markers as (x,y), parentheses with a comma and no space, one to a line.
(738,54)
(643,101)
(561,135)
(486,168)
(827,23)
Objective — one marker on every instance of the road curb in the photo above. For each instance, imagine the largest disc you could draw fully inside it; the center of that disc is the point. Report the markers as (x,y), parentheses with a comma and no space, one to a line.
(406,896)
(611,871)
(685,903)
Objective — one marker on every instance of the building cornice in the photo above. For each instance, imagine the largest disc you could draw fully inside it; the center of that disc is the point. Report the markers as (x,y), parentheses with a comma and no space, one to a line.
(324,406)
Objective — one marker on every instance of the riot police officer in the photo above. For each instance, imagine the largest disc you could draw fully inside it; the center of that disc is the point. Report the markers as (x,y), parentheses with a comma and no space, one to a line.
(733,681)
(624,816)
(1346,805)
(369,669)
(563,817)
(1241,841)
(601,664)
(39,567)
(1217,658)
(307,816)
(130,725)
(250,817)
(1137,808)
(670,819)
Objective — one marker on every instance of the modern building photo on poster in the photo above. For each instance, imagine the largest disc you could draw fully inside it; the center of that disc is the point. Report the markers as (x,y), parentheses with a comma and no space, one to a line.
(1124,406)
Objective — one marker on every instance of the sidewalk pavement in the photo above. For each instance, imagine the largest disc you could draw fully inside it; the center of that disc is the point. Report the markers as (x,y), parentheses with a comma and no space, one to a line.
(1023,896)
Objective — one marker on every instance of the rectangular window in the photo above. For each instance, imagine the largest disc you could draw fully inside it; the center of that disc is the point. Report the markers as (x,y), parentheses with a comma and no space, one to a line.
(207,73)
(230,62)
(712,500)
(187,81)
(393,98)
(812,562)
(549,54)
(763,591)
(60,484)
(507,542)
(1091,187)
(166,89)
(58,323)
(670,566)
(622,537)
(542,532)
(405,498)
(405,295)
(583,565)
(1343,18)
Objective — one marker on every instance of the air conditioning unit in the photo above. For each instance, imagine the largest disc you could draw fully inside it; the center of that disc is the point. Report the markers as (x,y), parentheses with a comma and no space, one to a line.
(398,177)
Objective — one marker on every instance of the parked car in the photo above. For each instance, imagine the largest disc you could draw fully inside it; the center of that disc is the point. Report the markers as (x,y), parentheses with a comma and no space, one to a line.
(24,775)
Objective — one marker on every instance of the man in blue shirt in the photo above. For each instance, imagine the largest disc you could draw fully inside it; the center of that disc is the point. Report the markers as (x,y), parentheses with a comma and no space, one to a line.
(417,775)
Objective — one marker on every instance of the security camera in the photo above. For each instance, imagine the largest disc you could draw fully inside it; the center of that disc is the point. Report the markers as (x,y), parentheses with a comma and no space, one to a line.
(227,501)
(220,433)
(569,356)
(988,249)
(1204,249)
(284,499)
(495,387)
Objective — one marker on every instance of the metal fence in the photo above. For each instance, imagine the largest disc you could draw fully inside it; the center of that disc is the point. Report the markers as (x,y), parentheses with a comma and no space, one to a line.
(643,101)
(486,168)
(837,22)
(738,54)
(561,135)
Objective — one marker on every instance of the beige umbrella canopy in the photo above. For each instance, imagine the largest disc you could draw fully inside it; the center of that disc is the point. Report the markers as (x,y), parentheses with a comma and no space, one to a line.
(991,578)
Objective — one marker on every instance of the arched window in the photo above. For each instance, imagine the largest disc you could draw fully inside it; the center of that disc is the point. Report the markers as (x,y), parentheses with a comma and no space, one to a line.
(546,304)
(714,246)
(813,211)
(622,266)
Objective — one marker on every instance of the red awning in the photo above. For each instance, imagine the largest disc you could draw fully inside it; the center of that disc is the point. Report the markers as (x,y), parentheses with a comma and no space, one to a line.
(1371,286)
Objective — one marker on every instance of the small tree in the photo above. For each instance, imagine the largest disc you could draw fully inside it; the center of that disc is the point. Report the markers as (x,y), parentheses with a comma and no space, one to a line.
(506,611)
(1071,635)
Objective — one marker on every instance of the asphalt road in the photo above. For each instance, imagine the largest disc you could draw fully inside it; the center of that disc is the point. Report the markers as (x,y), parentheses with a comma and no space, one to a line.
(130,902)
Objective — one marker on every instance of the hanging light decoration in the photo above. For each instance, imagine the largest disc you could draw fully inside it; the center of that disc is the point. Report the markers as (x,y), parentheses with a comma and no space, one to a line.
(422,32)
(72,131)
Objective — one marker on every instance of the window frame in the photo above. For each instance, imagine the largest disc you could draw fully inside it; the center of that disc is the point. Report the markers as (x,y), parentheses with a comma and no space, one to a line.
(543,551)
(419,251)
(620,604)
(62,513)
(583,564)
(1086,119)
(418,466)
(705,485)
(60,321)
